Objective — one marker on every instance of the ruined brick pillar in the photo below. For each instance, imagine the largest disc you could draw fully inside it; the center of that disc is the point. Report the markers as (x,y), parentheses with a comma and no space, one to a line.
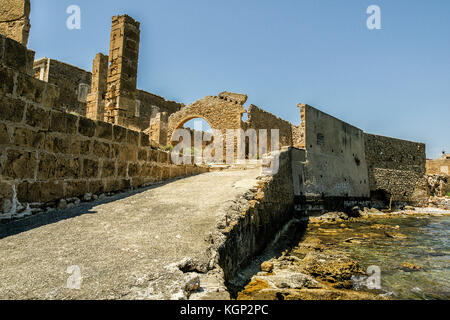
(122,73)
(159,128)
(15,20)
(95,108)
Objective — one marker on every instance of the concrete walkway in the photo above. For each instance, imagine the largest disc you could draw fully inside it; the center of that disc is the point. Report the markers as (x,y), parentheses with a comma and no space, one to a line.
(123,247)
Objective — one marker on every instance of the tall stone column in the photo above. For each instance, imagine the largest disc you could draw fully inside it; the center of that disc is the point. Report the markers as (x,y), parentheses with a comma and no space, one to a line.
(122,73)
(159,128)
(15,20)
(95,108)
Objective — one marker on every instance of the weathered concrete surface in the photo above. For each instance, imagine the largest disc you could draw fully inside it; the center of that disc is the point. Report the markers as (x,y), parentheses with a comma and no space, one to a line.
(125,247)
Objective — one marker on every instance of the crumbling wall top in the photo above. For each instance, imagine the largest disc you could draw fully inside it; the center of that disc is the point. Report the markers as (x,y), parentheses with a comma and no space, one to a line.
(237,98)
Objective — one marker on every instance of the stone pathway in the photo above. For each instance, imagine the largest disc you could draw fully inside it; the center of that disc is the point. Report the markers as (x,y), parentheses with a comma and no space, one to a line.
(123,247)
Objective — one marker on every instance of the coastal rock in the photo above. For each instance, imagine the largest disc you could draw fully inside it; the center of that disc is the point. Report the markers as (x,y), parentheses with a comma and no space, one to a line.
(267,266)
(410,267)
(396,235)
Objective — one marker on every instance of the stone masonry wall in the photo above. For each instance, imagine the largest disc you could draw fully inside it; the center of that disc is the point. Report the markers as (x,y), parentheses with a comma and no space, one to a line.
(253,221)
(151,105)
(47,154)
(14,20)
(396,167)
(260,119)
(74,83)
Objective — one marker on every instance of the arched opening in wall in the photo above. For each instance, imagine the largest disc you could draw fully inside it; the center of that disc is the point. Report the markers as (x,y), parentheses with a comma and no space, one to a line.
(200,129)
(380,197)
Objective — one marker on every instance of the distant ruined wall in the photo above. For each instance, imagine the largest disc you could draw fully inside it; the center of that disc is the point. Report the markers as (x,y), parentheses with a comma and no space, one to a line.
(150,105)
(438,166)
(15,20)
(260,119)
(47,154)
(396,168)
(74,83)
(298,136)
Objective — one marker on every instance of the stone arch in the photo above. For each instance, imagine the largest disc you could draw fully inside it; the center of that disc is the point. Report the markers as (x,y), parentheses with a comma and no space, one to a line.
(221,112)
(189,118)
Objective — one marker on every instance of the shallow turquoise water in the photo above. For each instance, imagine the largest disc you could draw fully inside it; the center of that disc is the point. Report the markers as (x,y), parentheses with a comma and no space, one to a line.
(427,245)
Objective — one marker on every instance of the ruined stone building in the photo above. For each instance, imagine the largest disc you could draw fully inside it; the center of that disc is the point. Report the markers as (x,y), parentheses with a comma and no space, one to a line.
(109,92)
(65,132)
(440,165)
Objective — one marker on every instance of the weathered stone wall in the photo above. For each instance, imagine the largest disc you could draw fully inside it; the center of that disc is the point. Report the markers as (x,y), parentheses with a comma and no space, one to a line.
(74,83)
(260,119)
(15,20)
(336,164)
(150,105)
(14,54)
(438,166)
(254,222)
(396,168)
(158,128)
(298,137)
(95,108)
(438,185)
(47,154)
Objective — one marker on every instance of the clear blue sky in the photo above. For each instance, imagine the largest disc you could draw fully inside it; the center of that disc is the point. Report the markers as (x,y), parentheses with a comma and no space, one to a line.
(393,82)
